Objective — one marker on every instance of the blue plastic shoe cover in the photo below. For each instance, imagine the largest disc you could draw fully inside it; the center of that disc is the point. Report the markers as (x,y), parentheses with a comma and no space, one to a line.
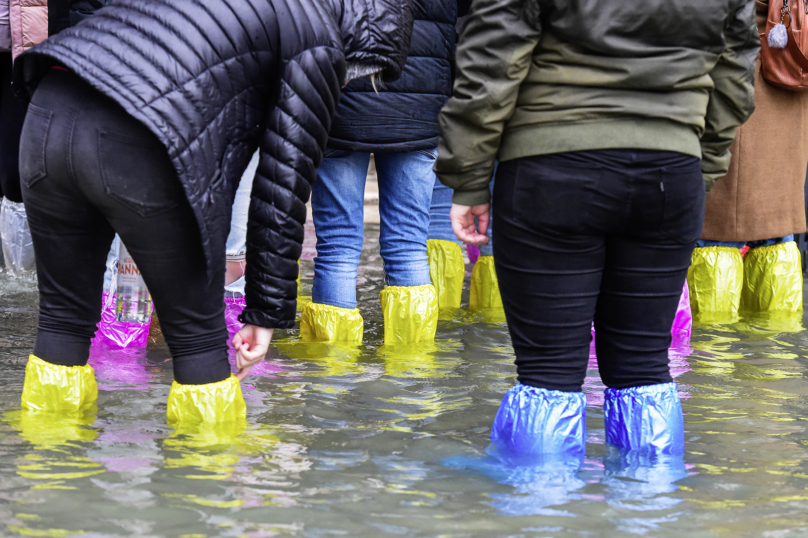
(647,419)
(534,421)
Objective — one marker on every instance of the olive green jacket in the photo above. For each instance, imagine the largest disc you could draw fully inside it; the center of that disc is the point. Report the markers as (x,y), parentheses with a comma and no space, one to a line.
(536,77)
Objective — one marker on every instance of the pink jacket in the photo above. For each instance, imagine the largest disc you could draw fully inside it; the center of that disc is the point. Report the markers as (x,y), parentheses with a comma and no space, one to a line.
(29,24)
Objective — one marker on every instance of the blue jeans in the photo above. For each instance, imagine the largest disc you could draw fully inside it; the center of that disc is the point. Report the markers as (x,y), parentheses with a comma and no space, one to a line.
(236,246)
(440,225)
(740,244)
(338,205)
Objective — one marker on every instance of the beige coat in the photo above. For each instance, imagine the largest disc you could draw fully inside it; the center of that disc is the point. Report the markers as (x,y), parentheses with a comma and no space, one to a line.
(29,24)
(762,196)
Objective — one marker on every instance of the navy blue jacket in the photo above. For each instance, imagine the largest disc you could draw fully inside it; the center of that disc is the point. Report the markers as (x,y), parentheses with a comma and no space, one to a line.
(403,115)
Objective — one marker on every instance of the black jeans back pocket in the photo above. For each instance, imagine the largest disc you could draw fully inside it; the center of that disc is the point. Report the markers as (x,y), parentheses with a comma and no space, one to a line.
(684,204)
(551,195)
(33,145)
(137,172)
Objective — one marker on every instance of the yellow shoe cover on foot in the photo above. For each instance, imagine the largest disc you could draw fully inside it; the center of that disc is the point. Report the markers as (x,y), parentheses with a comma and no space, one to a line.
(55,388)
(410,314)
(447,269)
(484,293)
(772,279)
(326,323)
(715,278)
(214,403)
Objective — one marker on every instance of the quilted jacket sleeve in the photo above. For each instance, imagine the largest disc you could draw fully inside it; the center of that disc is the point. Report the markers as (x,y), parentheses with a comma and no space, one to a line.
(493,57)
(291,151)
(732,100)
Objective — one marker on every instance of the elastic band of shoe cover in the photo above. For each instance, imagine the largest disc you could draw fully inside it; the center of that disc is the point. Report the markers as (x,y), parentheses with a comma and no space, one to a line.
(327,323)
(532,420)
(647,419)
(212,403)
(55,388)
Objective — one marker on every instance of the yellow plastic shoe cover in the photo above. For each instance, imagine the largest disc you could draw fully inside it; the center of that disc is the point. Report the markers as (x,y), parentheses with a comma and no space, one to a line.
(54,388)
(410,314)
(214,403)
(715,278)
(447,269)
(484,292)
(326,323)
(772,279)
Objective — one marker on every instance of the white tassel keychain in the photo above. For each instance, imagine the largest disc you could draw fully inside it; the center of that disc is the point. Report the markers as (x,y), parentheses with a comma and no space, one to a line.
(778,35)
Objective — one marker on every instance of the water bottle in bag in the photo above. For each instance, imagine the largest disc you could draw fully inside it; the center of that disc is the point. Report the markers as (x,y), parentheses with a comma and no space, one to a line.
(134,301)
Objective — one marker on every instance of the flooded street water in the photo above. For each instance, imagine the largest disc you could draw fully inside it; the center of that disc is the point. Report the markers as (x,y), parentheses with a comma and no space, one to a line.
(375,441)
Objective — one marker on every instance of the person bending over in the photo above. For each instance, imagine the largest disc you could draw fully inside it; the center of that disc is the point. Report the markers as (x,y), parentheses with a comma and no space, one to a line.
(142,119)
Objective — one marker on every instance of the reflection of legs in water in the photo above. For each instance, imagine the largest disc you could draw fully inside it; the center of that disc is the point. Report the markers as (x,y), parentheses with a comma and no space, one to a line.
(77,203)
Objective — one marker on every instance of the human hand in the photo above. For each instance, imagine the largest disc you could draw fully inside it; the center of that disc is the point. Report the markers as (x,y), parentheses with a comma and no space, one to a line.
(464,227)
(251,343)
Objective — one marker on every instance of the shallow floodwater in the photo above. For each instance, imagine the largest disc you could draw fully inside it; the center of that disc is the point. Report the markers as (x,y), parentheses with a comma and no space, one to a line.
(382,441)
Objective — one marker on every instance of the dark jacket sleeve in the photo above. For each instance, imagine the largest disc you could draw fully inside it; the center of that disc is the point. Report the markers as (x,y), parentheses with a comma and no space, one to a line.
(84,9)
(58,16)
(291,151)
(732,99)
(493,58)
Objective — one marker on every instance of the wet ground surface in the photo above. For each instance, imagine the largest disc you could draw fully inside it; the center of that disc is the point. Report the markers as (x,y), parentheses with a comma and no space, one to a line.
(381,441)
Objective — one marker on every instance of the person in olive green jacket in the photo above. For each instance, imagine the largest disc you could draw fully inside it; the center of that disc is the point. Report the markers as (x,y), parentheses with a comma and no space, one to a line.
(608,120)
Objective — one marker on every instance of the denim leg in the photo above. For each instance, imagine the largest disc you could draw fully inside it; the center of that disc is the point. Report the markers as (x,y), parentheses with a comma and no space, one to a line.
(236,246)
(440,225)
(770,242)
(702,243)
(338,211)
(406,181)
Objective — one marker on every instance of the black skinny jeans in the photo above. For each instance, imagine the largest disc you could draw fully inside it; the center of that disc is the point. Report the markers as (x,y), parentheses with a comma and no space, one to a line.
(89,170)
(603,236)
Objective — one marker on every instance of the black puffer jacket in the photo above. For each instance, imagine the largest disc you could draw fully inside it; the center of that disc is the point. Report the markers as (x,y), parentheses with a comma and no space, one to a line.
(213,79)
(403,116)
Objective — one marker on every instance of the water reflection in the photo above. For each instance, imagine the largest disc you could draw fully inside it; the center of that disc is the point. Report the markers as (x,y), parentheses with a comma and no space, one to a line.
(376,441)
(120,368)
(539,482)
(638,482)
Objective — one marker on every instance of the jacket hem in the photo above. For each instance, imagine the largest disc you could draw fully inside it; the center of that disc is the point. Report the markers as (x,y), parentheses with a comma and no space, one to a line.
(395,147)
(718,235)
(651,134)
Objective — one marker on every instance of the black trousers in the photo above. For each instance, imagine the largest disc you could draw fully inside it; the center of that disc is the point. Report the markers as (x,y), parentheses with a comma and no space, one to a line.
(90,170)
(603,236)
(12,115)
